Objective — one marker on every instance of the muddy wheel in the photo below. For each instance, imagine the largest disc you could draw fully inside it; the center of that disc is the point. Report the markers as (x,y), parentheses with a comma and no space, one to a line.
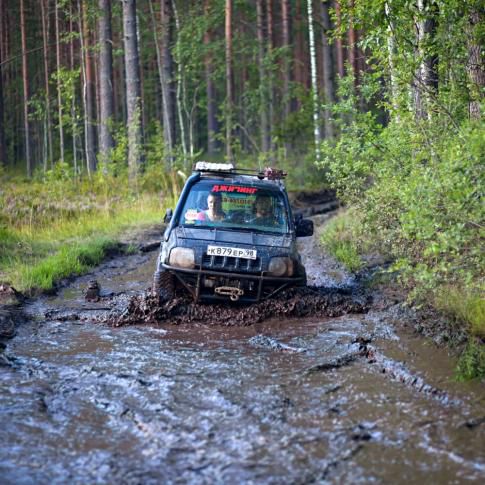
(164,285)
(302,273)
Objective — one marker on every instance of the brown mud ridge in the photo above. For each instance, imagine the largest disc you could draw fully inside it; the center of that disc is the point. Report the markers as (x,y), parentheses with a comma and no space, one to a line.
(295,302)
(10,301)
(309,203)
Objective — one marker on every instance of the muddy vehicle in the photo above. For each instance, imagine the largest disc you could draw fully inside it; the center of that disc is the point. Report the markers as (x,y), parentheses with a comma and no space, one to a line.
(231,237)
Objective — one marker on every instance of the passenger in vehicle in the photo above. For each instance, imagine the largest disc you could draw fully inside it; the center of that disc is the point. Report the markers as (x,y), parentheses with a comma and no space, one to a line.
(263,211)
(214,213)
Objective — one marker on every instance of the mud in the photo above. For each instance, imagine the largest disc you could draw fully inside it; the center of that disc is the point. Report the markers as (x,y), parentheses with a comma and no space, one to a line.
(298,302)
(321,385)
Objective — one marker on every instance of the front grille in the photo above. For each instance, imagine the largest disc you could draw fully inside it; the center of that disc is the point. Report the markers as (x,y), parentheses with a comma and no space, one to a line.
(226,263)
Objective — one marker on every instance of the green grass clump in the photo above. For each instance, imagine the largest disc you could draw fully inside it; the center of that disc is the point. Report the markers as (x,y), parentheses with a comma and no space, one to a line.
(341,239)
(69,260)
(464,306)
(472,361)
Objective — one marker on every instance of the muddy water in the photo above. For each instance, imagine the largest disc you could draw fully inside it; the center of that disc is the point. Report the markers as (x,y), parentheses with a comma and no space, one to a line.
(337,400)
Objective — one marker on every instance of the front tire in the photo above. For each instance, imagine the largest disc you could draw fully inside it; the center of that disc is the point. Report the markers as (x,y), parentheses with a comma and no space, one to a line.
(164,285)
(303,282)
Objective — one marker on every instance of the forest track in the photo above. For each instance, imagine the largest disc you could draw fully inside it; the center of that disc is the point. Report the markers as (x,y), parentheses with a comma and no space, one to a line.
(317,386)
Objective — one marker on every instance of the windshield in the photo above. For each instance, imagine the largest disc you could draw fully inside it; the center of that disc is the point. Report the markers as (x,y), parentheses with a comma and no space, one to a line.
(235,206)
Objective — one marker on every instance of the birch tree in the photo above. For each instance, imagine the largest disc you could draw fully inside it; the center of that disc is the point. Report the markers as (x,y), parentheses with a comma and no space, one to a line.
(313,64)
(475,64)
(88,94)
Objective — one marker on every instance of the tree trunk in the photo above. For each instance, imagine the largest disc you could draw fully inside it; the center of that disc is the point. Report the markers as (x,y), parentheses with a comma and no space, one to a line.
(338,43)
(181,95)
(212,123)
(285,14)
(475,66)
(72,64)
(313,65)
(106,104)
(229,80)
(263,107)
(44,5)
(269,23)
(426,79)
(90,114)
(352,50)
(133,90)
(167,80)
(328,67)
(160,113)
(391,53)
(58,82)
(25,78)
(3,147)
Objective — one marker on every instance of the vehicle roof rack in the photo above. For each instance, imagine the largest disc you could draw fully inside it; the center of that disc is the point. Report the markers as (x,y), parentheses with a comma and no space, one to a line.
(268,173)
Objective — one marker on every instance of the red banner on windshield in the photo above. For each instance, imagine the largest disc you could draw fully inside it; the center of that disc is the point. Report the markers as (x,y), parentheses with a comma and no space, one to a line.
(234,188)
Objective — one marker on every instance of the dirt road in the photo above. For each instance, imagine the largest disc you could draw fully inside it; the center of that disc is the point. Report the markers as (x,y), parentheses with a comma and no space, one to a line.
(335,391)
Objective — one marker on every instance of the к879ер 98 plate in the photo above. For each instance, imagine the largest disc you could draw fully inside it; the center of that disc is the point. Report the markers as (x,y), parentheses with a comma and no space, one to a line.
(231,252)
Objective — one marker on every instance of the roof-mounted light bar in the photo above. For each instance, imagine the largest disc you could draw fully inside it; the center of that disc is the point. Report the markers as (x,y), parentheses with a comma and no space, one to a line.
(267,173)
(272,173)
(214,167)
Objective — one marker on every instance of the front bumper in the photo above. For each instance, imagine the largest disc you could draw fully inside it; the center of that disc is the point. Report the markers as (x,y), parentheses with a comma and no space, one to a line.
(255,287)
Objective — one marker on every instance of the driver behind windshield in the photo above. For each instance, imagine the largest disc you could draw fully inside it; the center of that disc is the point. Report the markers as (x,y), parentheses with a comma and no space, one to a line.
(263,211)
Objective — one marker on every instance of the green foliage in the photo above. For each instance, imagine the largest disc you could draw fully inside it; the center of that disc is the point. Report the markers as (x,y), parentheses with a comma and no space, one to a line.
(472,361)
(417,181)
(56,224)
(419,185)
(69,260)
(343,240)
(463,306)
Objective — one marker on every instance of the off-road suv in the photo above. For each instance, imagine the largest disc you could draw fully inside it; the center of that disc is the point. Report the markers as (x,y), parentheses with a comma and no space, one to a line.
(231,236)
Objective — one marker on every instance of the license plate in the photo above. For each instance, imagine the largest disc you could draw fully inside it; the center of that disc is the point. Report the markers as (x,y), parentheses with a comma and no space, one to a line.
(231,252)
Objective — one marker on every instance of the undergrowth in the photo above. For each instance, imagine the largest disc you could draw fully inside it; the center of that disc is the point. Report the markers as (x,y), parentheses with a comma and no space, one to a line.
(342,240)
(59,225)
(416,185)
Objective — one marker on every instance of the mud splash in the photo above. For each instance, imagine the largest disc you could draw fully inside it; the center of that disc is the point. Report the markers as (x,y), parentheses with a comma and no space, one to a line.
(297,302)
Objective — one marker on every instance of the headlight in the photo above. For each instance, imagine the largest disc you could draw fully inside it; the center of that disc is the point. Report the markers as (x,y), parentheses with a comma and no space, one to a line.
(182,258)
(280,267)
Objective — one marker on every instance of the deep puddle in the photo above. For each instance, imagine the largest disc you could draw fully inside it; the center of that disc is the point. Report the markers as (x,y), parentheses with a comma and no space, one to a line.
(285,400)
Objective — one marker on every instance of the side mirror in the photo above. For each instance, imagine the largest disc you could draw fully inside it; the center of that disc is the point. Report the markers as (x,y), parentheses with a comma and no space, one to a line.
(168,216)
(304,227)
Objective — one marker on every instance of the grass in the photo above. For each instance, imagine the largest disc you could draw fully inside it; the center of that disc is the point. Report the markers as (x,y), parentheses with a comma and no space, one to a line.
(342,241)
(37,258)
(467,308)
(472,361)
(464,306)
(67,261)
(49,233)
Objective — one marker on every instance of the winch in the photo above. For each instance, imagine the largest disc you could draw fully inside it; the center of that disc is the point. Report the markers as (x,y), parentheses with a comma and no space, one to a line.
(230,291)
